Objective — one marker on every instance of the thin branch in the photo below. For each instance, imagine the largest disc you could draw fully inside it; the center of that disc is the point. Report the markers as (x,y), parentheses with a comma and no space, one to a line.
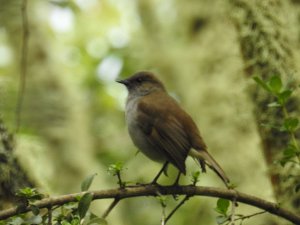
(152,190)
(176,208)
(163,215)
(110,208)
(50,215)
(233,206)
(23,63)
(120,182)
(242,218)
(250,216)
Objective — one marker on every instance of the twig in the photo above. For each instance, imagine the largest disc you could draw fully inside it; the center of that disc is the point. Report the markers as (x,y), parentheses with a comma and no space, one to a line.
(163,216)
(50,215)
(110,208)
(152,190)
(23,63)
(176,208)
(233,205)
(250,216)
(120,182)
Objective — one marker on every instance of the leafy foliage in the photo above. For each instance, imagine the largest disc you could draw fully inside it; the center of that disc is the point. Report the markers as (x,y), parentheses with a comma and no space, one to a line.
(195,177)
(84,204)
(29,194)
(290,124)
(75,213)
(85,185)
(115,170)
(222,209)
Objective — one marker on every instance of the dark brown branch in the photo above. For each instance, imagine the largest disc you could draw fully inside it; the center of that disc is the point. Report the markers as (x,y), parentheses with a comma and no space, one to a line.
(152,190)
(23,63)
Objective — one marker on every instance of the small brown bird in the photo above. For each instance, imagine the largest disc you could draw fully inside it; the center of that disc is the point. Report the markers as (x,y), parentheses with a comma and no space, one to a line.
(161,129)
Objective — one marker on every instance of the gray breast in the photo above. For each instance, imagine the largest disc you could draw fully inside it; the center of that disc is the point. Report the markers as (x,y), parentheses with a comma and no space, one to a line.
(137,135)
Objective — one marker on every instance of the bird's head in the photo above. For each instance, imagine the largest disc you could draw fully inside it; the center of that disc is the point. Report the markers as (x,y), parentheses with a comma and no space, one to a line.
(142,83)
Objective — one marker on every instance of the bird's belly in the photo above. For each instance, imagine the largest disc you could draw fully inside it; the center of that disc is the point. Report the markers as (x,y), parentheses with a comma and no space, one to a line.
(141,142)
(138,137)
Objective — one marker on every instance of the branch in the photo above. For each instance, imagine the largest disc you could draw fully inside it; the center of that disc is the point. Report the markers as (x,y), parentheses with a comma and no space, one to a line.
(153,190)
(177,207)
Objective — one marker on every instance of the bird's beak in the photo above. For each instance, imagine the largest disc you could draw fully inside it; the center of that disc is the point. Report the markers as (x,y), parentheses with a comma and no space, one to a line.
(125,82)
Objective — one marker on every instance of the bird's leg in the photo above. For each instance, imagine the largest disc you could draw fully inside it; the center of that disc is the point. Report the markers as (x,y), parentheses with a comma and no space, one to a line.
(160,172)
(175,184)
(177,179)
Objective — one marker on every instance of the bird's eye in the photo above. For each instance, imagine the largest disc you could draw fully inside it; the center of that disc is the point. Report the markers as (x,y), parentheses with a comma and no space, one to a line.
(139,80)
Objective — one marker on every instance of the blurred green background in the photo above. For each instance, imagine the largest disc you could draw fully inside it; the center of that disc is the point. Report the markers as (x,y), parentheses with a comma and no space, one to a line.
(72,121)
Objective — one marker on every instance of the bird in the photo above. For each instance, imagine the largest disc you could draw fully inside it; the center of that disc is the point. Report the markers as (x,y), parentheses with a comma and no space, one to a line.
(161,129)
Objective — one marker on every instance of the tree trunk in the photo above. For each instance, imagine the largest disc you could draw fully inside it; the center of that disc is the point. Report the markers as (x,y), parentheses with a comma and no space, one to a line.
(266,40)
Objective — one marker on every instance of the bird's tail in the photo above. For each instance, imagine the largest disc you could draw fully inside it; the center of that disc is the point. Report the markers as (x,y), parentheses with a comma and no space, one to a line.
(203,155)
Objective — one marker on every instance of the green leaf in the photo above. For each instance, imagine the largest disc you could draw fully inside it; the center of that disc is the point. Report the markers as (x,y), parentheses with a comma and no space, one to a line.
(290,152)
(26,192)
(275,84)
(221,219)
(284,96)
(29,193)
(75,221)
(284,161)
(85,185)
(222,206)
(262,83)
(195,177)
(115,168)
(34,209)
(291,124)
(84,204)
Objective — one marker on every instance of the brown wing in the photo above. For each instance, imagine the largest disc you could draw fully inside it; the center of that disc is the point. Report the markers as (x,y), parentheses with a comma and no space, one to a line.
(163,129)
